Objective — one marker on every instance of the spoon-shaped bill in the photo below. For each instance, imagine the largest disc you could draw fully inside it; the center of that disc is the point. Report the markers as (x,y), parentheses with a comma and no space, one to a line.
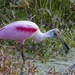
(65,46)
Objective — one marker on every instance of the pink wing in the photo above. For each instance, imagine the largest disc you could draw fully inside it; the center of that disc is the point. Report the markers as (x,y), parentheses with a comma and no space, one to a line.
(17,32)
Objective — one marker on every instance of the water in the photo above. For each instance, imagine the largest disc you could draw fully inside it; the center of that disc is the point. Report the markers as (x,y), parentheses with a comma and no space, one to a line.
(61,63)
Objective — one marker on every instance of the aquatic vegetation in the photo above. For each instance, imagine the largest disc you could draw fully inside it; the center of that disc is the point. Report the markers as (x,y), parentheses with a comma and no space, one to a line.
(46,14)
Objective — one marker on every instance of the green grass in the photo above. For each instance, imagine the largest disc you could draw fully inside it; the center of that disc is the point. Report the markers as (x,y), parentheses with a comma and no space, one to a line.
(47,14)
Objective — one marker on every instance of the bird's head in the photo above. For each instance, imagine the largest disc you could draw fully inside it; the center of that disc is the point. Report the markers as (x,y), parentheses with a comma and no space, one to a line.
(55,33)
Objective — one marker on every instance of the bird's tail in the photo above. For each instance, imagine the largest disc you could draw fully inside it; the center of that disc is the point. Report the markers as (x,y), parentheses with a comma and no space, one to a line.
(1,29)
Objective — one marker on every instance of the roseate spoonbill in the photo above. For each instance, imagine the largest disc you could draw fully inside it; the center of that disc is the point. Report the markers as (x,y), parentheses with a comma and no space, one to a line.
(23,30)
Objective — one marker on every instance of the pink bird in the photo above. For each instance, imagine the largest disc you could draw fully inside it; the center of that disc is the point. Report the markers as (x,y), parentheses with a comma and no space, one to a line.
(22,30)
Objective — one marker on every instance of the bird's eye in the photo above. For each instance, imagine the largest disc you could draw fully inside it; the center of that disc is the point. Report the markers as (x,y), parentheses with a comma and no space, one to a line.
(58,32)
(55,34)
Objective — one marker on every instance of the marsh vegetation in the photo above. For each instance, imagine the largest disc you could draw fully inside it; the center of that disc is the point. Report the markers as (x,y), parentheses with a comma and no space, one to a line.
(47,14)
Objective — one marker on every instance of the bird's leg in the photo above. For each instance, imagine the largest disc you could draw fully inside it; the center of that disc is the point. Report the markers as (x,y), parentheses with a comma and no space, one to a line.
(22,53)
(15,47)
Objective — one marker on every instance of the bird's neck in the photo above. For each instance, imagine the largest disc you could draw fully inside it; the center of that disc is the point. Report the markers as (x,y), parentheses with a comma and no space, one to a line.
(39,36)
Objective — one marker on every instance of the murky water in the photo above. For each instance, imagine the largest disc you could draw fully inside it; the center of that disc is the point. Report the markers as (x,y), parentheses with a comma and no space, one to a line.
(60,63)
